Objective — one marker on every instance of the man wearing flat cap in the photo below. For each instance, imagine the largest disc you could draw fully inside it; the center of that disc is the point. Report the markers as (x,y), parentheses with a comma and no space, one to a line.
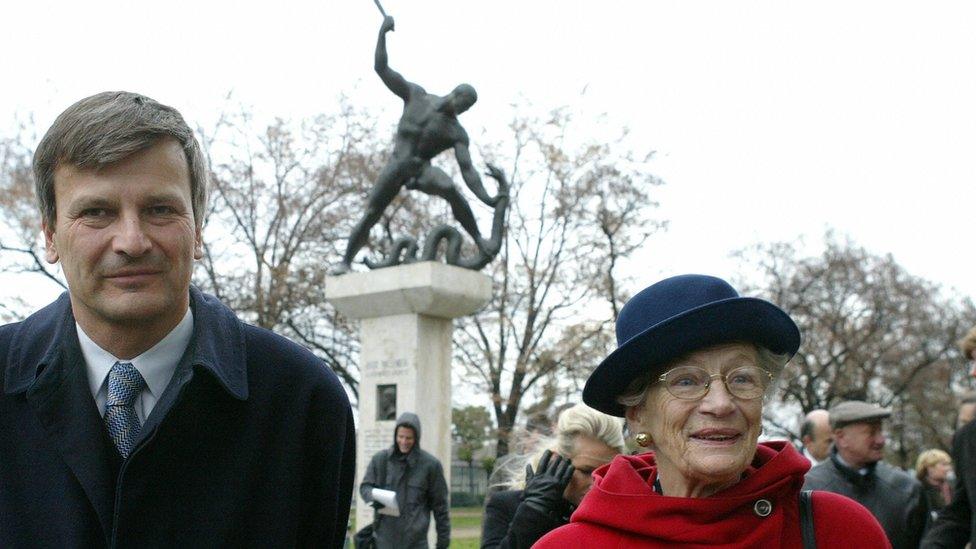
(855,469)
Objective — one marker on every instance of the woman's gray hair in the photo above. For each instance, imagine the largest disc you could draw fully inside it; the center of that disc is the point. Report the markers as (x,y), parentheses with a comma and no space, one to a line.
(109,127)
(579,420)
(636,393)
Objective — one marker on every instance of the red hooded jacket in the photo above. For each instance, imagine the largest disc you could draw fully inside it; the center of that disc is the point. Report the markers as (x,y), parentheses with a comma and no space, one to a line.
(622,510)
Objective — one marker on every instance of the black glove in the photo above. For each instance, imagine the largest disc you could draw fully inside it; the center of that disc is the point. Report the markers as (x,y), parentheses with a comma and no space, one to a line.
(376,505)
(544,488)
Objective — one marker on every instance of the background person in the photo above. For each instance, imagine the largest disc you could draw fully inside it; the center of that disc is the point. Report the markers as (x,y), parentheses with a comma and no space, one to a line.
(856,469)
(933,469)
(816,436)
(956,524)
(417,477)
(692,365)
(554,482)
(967,410)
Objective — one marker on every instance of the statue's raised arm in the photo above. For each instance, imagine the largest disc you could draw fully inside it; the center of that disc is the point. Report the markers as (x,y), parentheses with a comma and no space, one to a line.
(393,80)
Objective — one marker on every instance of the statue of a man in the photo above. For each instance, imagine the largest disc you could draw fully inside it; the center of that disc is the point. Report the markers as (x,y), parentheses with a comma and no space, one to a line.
(428,127)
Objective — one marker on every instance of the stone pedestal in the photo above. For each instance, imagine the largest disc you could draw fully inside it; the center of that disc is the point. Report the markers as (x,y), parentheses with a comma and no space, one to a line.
(406,317)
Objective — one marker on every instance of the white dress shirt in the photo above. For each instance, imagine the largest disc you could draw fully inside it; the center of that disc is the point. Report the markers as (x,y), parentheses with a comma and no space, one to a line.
(157,366)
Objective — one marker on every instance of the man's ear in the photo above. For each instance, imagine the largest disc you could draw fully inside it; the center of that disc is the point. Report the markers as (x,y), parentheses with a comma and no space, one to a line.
(198,243)
(50,249)
(838,437)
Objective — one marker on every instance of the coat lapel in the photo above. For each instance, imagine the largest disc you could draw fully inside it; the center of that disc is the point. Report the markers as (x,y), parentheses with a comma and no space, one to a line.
(62,400)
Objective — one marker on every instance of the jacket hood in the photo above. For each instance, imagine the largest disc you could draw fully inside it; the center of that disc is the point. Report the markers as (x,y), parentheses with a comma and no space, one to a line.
(411,420)
(622,499)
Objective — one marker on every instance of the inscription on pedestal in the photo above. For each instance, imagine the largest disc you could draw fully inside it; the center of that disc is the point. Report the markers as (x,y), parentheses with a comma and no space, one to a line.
(377,438)
(395,367)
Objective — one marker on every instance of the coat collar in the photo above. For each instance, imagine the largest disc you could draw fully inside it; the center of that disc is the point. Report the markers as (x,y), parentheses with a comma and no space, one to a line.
(854,476)
(218,344)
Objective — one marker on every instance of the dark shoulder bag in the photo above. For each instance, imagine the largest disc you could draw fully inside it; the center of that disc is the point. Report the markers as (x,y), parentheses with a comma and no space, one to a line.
(806,520)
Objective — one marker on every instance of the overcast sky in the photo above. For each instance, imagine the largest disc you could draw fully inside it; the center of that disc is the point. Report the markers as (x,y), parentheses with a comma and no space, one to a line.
(771,119)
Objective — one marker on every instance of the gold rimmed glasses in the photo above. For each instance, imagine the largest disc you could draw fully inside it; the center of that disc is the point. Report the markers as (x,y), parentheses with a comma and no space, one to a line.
(692,382)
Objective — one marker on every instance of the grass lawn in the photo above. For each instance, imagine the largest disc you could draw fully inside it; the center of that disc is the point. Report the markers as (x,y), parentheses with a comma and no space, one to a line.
(466,517)
(466,527)
(464,521)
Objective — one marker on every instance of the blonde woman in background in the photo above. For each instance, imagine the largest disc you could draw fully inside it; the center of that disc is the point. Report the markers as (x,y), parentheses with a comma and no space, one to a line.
(933,469)
(555,479)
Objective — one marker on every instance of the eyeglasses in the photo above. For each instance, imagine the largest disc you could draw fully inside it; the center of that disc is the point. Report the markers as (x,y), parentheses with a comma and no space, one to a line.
(692,382)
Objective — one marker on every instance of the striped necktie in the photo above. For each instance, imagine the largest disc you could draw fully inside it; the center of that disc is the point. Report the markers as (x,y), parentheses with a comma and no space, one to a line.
(124,385)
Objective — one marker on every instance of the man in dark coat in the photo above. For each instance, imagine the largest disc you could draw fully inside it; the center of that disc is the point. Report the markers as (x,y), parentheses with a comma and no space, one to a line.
(135,410)
(855,469)
(956,524)
(418,480)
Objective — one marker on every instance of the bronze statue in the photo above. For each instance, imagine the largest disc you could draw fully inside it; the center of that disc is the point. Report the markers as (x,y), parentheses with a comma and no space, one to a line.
(428,126)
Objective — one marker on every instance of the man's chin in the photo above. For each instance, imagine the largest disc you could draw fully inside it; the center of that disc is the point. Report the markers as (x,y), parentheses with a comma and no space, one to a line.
(139,308)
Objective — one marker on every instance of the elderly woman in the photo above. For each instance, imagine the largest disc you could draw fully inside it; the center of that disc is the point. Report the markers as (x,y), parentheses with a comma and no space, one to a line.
(933,468)
(545,497)
(693,364)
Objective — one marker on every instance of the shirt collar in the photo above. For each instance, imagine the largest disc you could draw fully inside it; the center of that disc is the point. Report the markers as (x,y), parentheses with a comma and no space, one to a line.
(156,365)
(863,471)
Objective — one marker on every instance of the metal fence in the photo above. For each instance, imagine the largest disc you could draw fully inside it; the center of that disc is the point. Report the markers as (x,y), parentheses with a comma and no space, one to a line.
(467,479)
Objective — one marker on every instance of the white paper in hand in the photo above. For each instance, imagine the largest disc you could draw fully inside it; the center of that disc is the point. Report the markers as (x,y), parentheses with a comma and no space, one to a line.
(388,499)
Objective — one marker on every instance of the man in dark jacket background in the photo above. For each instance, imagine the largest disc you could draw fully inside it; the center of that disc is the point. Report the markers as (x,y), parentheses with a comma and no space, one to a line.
(855,469)
(137,411)
(956,524)
(417,477)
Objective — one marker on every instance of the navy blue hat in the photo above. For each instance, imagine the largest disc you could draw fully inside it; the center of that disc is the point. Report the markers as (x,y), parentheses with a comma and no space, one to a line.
(677,316)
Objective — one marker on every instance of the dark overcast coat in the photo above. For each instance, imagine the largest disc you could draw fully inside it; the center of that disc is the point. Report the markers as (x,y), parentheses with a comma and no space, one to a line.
(251,445)
(510,524)
(956,524)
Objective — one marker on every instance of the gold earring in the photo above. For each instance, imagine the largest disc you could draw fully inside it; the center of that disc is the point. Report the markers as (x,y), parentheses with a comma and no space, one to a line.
(643,439)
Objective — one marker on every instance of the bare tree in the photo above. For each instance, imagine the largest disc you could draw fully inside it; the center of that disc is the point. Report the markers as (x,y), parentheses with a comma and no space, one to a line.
(576,210)
(20,235)
(279,213)
(871,331)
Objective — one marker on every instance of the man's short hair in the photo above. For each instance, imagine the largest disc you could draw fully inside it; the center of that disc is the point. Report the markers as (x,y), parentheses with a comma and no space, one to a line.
(968,344)
(109,127)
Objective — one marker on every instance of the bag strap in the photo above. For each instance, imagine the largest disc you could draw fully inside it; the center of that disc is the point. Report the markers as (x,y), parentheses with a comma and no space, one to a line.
(806,520)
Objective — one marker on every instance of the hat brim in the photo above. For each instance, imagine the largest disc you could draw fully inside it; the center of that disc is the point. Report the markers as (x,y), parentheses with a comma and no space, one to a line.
(880,415)
(735,319)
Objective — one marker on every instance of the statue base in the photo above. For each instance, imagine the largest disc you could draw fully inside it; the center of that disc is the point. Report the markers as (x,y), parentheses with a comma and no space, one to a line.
(406,327)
